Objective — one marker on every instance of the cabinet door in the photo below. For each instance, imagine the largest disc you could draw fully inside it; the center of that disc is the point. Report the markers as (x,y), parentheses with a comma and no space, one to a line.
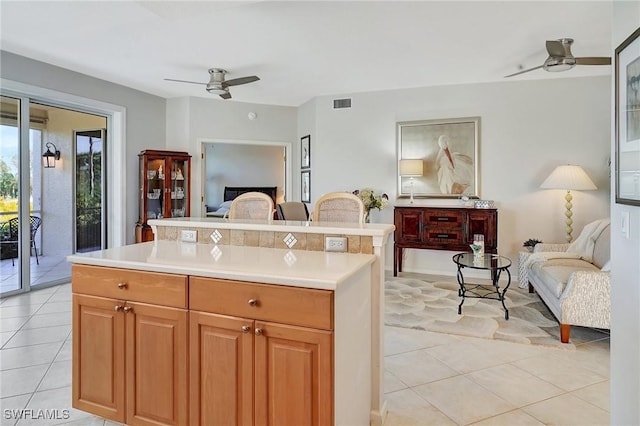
(221,370)
(293,375)
(483,222)
(98,357)
(409,225)
(156,368)
(179,187)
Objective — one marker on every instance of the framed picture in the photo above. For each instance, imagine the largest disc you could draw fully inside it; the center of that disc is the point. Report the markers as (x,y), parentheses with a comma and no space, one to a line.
(305,152)
(448,149)
(305,186)
(627,116)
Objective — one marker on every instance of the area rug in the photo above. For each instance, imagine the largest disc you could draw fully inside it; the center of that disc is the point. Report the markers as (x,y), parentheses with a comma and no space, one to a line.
(433,306)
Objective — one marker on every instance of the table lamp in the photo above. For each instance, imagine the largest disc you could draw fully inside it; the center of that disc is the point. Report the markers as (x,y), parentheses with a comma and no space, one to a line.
(411,168)
(570,178)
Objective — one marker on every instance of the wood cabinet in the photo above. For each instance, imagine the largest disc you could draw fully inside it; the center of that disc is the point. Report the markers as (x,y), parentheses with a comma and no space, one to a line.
(442,228)
(250,371)
(164,188)
(130,357)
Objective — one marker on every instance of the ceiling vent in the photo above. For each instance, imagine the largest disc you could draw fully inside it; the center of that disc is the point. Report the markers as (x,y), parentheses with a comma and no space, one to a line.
(342,103)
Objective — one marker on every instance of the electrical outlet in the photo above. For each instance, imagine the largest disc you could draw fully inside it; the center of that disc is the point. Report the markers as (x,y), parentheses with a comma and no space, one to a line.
(338,244)
(189,236)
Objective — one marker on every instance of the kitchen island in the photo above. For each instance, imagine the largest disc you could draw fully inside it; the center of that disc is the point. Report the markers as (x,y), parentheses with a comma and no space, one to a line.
(171,332)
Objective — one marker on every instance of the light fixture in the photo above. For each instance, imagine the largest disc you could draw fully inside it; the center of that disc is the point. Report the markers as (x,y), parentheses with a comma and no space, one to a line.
(49,158)
(570,178)
(411,168)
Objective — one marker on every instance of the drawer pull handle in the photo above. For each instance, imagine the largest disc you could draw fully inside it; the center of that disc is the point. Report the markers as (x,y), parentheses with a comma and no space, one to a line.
(127,309)
(246,329)
(253,302)
(118,308)
(122,286)
(443,235)
(258,332)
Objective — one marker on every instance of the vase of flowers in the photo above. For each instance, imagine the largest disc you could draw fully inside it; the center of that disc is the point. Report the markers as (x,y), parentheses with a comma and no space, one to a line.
(371,200)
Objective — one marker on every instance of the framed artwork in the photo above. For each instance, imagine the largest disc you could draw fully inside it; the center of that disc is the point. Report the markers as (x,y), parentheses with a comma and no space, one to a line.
(305,152)
(448,149)
(305,186)
(627,116)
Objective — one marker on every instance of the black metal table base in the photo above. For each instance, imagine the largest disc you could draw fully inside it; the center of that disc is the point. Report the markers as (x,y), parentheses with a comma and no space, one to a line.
(484,291)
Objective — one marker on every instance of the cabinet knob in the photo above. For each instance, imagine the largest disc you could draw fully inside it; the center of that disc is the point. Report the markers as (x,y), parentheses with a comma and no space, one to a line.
(253,302)
(246,328)
(258,332)
(118,308)
(127,309)
(122,286)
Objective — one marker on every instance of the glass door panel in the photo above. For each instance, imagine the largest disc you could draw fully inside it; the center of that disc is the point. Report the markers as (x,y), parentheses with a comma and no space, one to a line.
(156,174)
(89,190)
(9,195)
(179,190)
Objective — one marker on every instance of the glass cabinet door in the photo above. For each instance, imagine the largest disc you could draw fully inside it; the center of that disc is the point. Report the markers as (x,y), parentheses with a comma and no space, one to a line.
(179,188)
(155,188)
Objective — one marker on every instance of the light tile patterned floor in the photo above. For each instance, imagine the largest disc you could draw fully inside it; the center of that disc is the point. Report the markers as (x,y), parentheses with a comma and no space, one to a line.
(430,378)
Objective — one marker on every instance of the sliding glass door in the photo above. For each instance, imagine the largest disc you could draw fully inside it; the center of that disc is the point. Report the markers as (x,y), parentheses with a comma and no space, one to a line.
(51,198)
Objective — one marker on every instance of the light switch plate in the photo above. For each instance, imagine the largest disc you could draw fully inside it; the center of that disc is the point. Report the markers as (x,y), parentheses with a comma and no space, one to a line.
(624,224)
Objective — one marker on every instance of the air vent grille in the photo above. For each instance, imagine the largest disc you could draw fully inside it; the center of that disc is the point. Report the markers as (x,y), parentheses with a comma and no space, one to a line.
(342,103)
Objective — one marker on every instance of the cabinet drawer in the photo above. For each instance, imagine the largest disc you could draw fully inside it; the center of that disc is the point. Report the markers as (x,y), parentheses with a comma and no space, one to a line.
(444,236)
(443,218)
(124,284)
(288,305)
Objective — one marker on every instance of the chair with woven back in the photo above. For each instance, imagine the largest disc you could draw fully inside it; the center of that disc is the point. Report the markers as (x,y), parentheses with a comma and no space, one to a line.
(339,207)
(252,205)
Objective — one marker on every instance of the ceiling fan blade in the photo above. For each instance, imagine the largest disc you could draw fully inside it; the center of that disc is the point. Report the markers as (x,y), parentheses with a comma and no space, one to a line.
(241,80)
(226,95)
(185,81)
(523,71)
(594,60)
(557,49)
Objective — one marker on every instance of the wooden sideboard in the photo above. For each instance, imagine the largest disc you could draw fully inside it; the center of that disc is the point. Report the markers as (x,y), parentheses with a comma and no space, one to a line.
(442,228)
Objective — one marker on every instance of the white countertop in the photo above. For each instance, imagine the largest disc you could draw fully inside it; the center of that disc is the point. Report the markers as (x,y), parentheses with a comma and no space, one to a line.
(297,268)
(367,229)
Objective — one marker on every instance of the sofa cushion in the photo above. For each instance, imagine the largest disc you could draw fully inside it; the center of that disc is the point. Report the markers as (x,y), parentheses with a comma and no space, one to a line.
(602,247)
(554,273)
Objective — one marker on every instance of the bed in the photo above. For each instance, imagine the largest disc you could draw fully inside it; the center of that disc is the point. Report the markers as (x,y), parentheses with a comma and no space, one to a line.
(231,192)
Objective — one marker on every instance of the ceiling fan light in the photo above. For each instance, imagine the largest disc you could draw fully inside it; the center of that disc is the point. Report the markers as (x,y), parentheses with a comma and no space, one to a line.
(559,64)
(217,90)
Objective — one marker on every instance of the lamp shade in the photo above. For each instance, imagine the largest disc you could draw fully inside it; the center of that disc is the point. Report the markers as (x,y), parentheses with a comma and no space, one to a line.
(570,178)
(411,167)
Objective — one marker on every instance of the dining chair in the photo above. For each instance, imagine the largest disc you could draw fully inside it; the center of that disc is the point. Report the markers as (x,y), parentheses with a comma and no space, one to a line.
(252,205)
(292,210)
(339,207)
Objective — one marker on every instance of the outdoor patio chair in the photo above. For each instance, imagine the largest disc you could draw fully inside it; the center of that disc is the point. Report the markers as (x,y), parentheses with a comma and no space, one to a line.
(12,235)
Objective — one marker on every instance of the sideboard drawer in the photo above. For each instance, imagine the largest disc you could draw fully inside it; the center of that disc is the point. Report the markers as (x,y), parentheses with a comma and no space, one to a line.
(289,305)
(443,218)
(444,236)
(125,284)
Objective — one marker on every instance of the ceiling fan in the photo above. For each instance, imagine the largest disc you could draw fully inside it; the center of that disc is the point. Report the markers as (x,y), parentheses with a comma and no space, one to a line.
(561,59)
(217,84)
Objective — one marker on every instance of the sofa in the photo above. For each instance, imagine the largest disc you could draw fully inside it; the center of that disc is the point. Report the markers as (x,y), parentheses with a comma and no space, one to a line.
(573,280)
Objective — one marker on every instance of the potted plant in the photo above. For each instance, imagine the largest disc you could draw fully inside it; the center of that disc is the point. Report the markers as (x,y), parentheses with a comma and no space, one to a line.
(530,244)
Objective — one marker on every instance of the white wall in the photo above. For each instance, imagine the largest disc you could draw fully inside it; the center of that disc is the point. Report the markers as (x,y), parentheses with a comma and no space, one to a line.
(527,128)
(216,119)
(625,272)
(144,121)
(242,165)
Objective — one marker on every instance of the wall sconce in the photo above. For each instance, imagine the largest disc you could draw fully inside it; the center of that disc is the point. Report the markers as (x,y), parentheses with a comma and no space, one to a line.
(411,168)
(49,158)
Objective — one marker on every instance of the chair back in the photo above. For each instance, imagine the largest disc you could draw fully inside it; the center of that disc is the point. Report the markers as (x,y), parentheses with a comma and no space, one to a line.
(34,224)
(292,210)
(339,207)
(14,233)
(251,205)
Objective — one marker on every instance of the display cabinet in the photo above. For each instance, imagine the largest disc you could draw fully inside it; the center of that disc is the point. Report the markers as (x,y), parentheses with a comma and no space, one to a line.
(164,188)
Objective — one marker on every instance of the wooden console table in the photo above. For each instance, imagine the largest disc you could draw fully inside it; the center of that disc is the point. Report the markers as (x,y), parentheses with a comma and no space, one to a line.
(442,228)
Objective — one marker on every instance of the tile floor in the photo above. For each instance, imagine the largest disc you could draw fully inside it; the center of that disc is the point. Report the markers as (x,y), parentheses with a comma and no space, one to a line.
(430,378)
